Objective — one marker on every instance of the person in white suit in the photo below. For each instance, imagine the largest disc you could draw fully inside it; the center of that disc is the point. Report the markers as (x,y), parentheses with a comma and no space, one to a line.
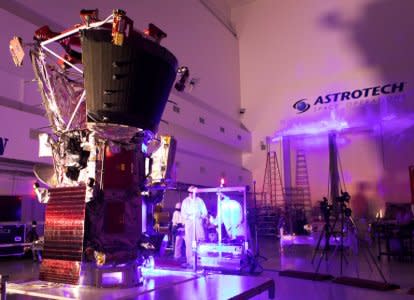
(194,214)
(231,216)
(178,230)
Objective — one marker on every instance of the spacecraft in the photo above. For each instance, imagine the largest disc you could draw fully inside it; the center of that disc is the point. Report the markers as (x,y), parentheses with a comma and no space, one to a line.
(104,98)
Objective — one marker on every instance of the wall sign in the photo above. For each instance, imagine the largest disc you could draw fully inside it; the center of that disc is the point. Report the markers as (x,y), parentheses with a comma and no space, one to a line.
(370,95)
(3,143)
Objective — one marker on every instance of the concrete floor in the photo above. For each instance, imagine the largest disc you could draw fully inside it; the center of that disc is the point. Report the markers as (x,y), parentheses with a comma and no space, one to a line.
(296,257)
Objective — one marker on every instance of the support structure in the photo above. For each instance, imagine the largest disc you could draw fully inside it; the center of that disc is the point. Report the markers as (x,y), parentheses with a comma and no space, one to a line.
(225,255)
(334,184)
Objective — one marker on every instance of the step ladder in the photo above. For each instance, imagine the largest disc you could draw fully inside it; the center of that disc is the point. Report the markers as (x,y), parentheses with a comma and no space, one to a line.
(302,187)
(271,206)
(272,190)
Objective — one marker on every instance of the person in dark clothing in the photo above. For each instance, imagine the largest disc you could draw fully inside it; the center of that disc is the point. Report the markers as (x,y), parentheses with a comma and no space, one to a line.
(32,234)
(32,237)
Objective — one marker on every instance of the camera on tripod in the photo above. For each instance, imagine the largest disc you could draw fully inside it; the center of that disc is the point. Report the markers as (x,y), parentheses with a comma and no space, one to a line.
(344,199)
(325,207)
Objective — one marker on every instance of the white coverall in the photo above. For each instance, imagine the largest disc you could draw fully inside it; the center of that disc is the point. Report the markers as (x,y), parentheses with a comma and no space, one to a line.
(193,211)
(179,235)
(231,217)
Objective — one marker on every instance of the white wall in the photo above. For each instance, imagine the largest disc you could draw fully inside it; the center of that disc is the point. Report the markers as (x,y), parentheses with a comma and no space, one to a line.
(17,126)
(290,50)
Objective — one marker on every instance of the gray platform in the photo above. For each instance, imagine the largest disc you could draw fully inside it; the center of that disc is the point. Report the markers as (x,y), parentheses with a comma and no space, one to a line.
(158,284)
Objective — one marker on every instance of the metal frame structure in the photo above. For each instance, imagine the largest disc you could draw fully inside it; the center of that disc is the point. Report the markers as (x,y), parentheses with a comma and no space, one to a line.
(44,70)
(218,191)
(69,33)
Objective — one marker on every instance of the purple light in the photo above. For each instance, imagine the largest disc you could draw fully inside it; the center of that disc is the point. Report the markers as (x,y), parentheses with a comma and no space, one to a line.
(112,278)
(204,248)
(322,141)
(389,117)
(312,128)
(397,125)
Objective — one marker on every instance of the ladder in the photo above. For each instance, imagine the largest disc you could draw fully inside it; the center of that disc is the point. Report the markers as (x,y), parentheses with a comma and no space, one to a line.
(272,184)
(302,182)
(272,204)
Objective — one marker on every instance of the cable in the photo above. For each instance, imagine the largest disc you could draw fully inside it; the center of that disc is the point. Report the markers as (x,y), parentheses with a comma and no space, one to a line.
(329,185)
(342,173)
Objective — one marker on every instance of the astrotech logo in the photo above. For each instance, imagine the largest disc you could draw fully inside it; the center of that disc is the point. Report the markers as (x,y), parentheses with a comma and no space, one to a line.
(301,106)
(357,96)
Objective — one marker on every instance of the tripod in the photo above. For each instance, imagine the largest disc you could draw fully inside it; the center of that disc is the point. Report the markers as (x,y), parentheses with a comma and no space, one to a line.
(328,230)
(370,255)
(366,283)
(344,215)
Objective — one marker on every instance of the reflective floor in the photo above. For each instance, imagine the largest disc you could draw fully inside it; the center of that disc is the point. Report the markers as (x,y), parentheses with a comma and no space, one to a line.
(361,265)
(296,257)
(365,264)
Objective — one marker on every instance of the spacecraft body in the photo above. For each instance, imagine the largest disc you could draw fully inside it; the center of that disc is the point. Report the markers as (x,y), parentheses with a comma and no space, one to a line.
(104,99)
